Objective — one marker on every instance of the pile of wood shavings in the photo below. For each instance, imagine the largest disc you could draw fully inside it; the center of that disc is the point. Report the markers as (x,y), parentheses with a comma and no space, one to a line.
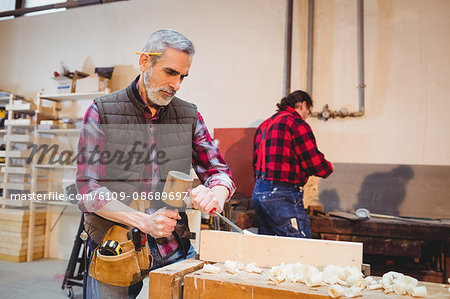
(346,282)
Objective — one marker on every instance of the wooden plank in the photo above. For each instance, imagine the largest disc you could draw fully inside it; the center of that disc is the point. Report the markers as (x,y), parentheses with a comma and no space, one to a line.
(268,251)
(167,281)
(18,215)
(18,239)
(48,222)
(382,246)
(31,232)
(12,235)
(200,285)
(4,223)
(19,259)
(19,252)
(37,231)
(22,246)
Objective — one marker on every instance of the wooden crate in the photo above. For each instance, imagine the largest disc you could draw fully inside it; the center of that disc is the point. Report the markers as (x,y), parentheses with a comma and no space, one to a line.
(14,227)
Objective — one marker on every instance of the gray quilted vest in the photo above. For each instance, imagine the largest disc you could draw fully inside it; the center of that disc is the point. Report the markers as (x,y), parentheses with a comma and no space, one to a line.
(123,120)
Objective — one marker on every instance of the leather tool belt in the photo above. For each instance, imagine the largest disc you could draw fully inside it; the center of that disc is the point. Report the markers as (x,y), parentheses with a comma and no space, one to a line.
(125,269)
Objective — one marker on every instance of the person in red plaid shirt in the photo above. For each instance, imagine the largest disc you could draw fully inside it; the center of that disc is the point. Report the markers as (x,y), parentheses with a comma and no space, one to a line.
(285,155)
(149,100)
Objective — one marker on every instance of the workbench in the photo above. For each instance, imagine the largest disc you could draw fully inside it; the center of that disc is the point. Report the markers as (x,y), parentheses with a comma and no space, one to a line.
(427,241)
(167,282)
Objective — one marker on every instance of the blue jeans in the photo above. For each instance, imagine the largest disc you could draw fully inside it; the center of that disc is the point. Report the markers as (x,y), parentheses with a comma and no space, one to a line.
(98,290)
(280,210)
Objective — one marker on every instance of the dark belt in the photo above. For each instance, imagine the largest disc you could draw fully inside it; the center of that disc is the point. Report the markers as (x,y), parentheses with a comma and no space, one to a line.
(279,183)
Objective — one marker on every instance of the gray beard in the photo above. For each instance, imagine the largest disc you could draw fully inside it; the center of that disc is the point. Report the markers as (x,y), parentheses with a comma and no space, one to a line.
(161,100)
(152,92)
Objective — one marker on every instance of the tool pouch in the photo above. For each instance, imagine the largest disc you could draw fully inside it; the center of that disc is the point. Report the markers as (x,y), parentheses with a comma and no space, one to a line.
(125,269)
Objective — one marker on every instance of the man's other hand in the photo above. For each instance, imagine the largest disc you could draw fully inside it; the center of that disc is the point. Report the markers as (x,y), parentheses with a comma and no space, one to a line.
(161,223)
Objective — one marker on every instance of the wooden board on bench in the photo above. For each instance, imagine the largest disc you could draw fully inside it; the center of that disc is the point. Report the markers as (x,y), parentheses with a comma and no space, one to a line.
(268,251)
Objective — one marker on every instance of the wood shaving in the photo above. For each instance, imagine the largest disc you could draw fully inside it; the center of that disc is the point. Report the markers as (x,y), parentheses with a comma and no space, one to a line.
(233,267)
(346,282)
(209,268)
(251,268)
(418,292)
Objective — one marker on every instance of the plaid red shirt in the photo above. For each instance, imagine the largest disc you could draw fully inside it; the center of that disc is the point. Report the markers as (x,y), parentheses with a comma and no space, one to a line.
(291,153)
(207,162)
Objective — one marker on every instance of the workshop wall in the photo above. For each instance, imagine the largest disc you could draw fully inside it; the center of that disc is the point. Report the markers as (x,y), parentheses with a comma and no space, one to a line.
(237,74)
(406,73)
(238,64)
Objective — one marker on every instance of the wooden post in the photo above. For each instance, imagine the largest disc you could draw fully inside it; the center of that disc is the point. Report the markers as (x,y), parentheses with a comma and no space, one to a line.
(31,224)
(447,262)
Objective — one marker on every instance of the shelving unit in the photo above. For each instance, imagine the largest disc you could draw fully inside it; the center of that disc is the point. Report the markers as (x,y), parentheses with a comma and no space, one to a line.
(54,177)
(16,216)
(18,134)
(4,100)
(50,107)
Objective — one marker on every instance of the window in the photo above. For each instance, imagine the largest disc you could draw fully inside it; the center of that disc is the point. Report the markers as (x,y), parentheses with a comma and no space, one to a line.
(16,8)
(7,5)
(36,3)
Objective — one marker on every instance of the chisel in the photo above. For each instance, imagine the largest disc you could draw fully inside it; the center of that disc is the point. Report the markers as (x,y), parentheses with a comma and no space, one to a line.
(213,211)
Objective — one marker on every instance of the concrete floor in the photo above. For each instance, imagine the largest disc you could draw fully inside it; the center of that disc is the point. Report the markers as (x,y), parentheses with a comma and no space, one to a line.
(39,279)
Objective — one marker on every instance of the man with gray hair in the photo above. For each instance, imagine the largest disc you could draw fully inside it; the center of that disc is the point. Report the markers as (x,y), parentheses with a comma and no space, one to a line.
(150,99)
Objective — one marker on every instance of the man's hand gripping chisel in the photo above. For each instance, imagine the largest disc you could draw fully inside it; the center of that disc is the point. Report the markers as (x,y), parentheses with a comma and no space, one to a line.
(180,182)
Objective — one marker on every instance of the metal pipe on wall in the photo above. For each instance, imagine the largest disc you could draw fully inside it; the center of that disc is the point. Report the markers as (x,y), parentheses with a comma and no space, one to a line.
(360,36)
(310,46)
(288,49)
(326,113)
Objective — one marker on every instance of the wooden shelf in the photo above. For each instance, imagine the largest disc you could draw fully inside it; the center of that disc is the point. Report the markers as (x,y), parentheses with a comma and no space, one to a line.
(58,131)
(16,138)
(20,122)
(28,108)
(17,186)
(16,170)
(19,154)
(56,166)
(72,96)
(14,203)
